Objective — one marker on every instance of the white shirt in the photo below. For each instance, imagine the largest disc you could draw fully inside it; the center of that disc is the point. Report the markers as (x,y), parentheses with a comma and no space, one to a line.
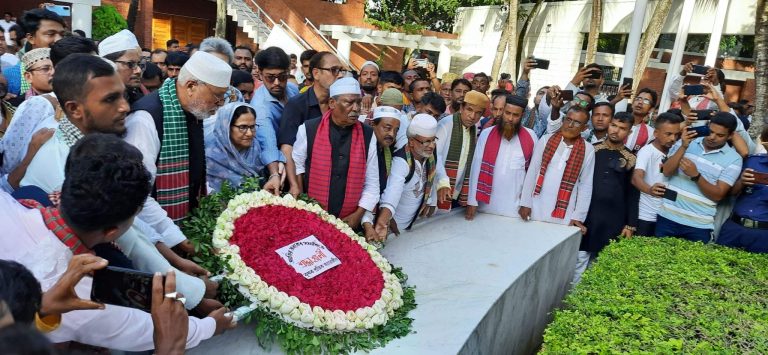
(8,60)
(46,171)
(444,132)
(6,25)
(508,176)
(142,134)
(632,143)
(27,240)
(370,196)
(650,160)
(401,198)
(543,204)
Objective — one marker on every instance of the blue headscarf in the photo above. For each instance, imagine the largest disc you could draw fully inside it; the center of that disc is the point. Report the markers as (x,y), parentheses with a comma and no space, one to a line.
(224,161)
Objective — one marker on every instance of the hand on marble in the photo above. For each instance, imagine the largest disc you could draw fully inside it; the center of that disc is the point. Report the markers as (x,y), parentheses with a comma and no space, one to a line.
(581,226)
(525,213)
(469,213)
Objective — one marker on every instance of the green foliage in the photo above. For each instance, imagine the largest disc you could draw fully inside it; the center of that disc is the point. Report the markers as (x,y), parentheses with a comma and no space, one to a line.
(269,328)
(436,15)
(666,295)
(106,22)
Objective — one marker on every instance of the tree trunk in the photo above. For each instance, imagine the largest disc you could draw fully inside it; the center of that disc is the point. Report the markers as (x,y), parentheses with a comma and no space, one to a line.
(133,9)
(511,40)
(221,19)
(594,30)
(524,32)
(502,46)
(649,39)
(760,117)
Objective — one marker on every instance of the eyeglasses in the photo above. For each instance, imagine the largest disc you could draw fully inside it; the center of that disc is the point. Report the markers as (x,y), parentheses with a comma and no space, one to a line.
(222,99)
(579,102)
(45,69)
(570,122)
(270,78)
(131,65)
(427,143)
(244,128)
(335,70)
(643,100)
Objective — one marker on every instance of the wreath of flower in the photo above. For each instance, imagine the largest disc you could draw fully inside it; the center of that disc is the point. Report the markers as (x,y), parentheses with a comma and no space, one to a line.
(291,308)
(310,334)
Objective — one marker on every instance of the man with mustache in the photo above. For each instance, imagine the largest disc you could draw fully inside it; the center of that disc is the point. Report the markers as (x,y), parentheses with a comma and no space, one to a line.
(243,58)
(648,177)
(335,156)
(613,210)
(123,49)
(641,133)
(501,159)
(39,74)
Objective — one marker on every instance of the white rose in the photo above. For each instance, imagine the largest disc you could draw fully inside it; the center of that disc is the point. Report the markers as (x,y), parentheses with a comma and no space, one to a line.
(386,295)
(379,319)
(368,323)
(359,324)
(263,295)
(351,316)
(295,314)
(341,323)
(318,323)
(307,317)
(286,308)
(274,301)
(360,313)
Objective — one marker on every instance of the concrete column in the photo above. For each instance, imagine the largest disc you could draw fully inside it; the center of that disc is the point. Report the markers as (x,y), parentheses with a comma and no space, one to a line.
(82,11)
(717,33)
(443,61)
(633,42)
(343,47)
(677,51)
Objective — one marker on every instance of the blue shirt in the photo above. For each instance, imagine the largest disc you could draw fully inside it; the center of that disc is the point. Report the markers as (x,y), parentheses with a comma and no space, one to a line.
(268,112)
(753,201)
(692,208)
(13,75)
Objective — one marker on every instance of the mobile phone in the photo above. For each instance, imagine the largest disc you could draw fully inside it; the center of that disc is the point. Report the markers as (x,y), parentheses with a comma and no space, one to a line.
(421,63)
(700,69)
(541,63)
(701,131)
(670,194)
(566,95)
(760,178)
(60,10)
(625,82)
(123,287)
(595,74)
(704,114)
(693,90)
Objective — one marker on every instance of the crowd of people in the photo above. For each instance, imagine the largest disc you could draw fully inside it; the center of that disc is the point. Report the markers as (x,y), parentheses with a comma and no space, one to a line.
(106,148)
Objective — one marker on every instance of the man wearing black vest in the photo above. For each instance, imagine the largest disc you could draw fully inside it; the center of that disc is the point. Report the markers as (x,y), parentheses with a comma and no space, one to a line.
(335,156)
(167,126)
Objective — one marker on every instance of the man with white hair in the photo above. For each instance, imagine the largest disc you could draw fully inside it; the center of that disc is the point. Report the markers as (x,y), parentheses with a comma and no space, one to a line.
(407,195)
(218,47)
(166,126)
(123,49)
(335,156)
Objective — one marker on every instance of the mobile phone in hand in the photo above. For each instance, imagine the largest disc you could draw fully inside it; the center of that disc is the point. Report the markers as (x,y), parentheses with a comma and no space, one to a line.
(704,115)
(626,82)
(689,90)
(595,74)
(700,69)
(122,287)
(670,194)
(566,95)
(760,178)
(541,63)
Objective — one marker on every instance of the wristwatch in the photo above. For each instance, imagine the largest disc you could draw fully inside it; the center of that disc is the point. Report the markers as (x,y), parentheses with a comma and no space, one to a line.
(696,178)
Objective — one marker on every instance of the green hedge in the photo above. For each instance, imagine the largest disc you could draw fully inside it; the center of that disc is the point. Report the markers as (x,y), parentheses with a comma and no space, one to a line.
(650,295)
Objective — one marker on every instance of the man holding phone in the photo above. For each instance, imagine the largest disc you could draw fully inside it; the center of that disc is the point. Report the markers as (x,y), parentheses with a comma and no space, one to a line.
(748,226)
(701,171)
(707,75)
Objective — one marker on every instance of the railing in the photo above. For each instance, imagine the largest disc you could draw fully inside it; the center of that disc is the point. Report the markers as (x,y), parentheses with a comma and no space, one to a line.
(263,14)
(296,35)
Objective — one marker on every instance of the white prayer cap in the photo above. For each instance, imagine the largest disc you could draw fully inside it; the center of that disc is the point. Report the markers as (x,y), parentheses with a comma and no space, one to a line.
(118,42)
(370,63)
(209,69)
(344,86)
(422,125)
(385,111)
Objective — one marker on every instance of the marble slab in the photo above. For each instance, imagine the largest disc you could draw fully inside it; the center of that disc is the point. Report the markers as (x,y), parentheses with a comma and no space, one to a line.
(482,287)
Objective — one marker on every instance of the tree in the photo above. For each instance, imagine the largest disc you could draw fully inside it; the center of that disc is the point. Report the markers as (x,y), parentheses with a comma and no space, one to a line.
(649,39)
(760,117)
(508,33)
(221,18)
(133,8)
(436,15)
(595,23)
(106,22)
(524,31)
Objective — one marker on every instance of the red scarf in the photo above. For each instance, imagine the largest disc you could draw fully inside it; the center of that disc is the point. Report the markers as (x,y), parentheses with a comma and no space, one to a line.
(642,138)
(491,152)
(58,227)
(570,175)
(321,163)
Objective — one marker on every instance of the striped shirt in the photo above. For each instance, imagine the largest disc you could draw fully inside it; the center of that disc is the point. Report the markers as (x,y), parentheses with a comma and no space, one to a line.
(692,208)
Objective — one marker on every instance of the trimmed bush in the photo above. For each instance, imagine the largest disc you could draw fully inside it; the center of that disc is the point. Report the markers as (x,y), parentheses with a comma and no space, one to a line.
(106,22)
(665,295)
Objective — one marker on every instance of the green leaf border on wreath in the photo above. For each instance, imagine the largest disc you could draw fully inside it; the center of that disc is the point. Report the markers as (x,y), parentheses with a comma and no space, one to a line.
(269,328)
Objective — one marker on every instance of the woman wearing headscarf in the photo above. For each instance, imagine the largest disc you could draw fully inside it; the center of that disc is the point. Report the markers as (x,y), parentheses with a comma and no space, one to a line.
(231,152)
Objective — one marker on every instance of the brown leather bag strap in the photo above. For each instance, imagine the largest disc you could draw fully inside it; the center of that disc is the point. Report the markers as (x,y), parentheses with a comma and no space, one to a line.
(56,106)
